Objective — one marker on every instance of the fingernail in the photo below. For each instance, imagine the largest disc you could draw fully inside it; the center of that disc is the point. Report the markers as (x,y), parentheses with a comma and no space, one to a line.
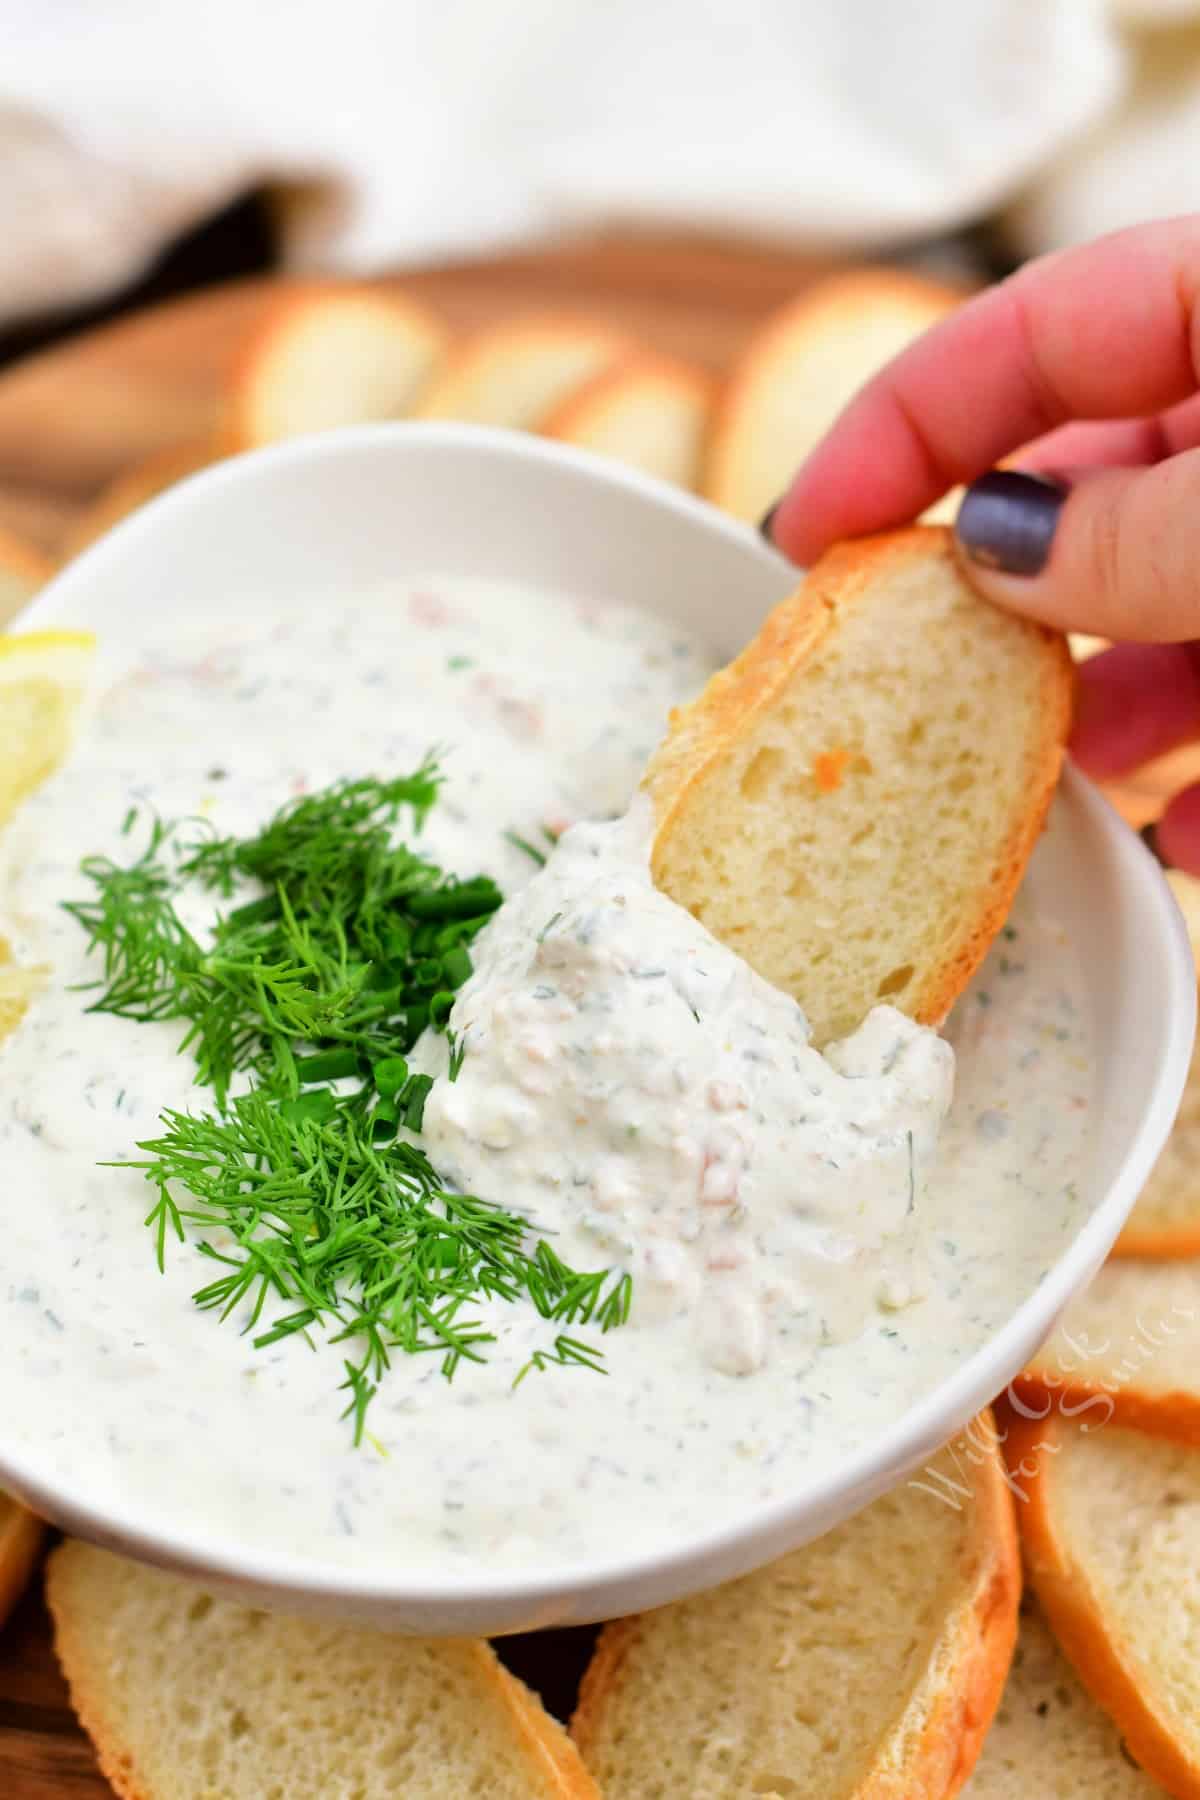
(1007,520)
(764,524)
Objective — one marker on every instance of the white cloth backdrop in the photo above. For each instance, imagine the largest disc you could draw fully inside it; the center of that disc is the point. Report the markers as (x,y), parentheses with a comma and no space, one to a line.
(419,128)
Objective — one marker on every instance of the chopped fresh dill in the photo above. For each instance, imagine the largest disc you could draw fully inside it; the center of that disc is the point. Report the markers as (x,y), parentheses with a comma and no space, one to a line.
(323,1217)
(526,848)
(566,1350)
(531,850)
(355,944)
(548,927)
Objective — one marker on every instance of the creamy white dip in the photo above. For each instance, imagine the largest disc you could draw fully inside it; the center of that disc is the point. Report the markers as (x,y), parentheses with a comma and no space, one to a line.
(636,1090)
(815,1240)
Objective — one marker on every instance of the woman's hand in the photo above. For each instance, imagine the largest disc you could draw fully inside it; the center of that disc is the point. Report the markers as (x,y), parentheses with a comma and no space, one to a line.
(1088,364)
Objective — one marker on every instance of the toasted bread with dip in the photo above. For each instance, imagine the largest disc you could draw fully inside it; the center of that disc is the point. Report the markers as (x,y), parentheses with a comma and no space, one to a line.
(851,804)
(516,373)
(329,354)
(867,1664)
(650,411)
(799,370)
(1108,1526)
(184,1691)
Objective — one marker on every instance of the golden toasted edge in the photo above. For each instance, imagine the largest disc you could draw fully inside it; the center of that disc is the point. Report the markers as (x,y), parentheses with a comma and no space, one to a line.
(594,398)
(832,297)
(84,1687)
(545,1738)
(1164,1243)
(292,306)
(701,733)
(24,560)
(950,1710)
(21,1534)
(135,485)
(1076,1613)
(932,1745)
(1174,1414)
(510,338)
(542,1739)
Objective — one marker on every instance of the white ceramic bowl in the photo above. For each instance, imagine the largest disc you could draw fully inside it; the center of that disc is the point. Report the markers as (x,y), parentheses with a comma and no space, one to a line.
(302,522)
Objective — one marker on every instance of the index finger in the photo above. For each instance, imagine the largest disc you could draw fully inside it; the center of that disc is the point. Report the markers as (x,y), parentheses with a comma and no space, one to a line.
(1107,331)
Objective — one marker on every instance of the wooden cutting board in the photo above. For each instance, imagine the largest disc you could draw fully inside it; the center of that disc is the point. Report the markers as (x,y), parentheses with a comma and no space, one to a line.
(76,416)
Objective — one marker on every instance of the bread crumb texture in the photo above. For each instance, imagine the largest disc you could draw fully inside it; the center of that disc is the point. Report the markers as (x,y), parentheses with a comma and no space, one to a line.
(1110,1526)
(1049,1739)
(865,1664)
(188,1694)
(851,804)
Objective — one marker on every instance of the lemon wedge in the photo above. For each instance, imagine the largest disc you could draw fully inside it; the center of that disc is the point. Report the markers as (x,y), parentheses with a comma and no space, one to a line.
(20,1541)
(42,678)
(17,988)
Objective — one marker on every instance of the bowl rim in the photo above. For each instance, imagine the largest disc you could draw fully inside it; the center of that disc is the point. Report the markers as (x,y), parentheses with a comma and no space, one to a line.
(931,1421)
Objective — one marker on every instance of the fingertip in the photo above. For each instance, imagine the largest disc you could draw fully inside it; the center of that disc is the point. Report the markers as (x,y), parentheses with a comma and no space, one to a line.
(788,528)
(1134,702)
(1007,520)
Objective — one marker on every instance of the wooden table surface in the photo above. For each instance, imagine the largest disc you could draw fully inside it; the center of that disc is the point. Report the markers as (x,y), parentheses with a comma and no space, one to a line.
(75,416)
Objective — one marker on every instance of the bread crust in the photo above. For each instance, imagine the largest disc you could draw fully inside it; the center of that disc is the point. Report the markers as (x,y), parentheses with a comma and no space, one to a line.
(834,298)
(21,1535)
(295,300)
(548,1748)
(514,336)
(24,560)
(712,726)
(605,390)
(930,1748)
(1076,1612)
(1174,1415)
(1169,1243)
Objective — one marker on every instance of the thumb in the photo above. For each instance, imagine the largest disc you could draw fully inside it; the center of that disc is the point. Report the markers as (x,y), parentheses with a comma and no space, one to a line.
(1116,552)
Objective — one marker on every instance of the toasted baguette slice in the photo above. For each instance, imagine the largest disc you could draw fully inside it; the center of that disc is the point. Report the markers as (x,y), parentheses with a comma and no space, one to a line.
(798,372)
(1049,1739)
(851,803)
(865,1665)
(651,411)
(515,374)
(23,570)
(133,488)
(184,1692)
(1165,1221)
(21,1536)
(330,355)
(1129,1349)
(1109,1527)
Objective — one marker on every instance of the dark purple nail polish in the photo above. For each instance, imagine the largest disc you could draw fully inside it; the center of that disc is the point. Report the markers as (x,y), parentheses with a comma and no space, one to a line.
(1007,520)
(764,524)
